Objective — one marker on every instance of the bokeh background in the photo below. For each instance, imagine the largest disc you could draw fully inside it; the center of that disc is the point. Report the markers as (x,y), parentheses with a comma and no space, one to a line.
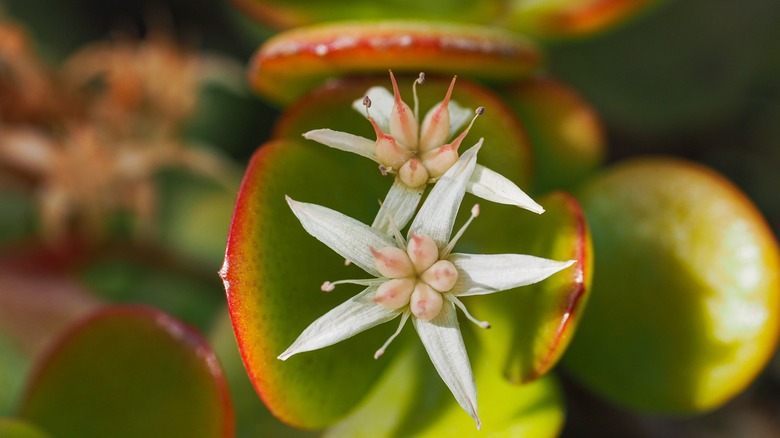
(698,79)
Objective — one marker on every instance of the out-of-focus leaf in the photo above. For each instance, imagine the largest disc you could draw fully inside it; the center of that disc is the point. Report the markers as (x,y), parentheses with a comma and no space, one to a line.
(686,296)
(566,133)
(292,13)
(297,61)
(129,372)
(411,400)
(686,67)
(570,18)
(36,304)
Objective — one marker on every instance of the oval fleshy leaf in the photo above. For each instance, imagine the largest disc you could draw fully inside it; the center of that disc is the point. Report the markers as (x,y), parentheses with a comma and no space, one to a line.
(506,149)
(571,18)
(273,272)
(566,133)
(531,326)
(129,372)
(686,304)
(295,62)
(411,400)
(252,417)
(283,14)
(37,301)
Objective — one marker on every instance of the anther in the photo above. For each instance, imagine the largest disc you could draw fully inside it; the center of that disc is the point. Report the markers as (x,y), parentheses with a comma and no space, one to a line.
(381,351)
(328,286)
(469,316)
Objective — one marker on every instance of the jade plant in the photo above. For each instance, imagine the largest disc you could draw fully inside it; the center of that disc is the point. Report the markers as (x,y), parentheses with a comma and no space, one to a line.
(653,283)
(667,345)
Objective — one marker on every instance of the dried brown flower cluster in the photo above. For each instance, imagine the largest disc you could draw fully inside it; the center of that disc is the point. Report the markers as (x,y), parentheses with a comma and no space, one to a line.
(88,138)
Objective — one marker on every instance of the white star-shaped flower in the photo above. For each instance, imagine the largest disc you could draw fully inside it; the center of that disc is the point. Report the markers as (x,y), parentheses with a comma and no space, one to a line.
(417,153)
(418,277)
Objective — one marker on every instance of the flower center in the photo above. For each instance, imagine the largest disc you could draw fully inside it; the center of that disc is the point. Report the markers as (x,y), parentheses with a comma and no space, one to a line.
(417,152)
(417,277)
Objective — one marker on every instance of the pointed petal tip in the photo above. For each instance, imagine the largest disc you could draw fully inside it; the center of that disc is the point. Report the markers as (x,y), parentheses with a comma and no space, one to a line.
(479,423)
(286,355)
(534,208)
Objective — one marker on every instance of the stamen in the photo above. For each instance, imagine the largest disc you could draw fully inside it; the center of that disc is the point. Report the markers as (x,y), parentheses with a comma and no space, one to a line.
(462,307)
(479,111)
(420,80)
(394,228)
(383,169)
(446,251)
(381,351)
(328,286)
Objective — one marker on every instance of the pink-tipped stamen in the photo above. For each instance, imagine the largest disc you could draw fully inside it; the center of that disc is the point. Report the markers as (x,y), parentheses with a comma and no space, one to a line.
(420,80)
(329,286)
(459,139)
(381,351)
(469,316)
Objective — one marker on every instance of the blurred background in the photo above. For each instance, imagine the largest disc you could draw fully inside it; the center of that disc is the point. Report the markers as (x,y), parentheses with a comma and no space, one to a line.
(698,79)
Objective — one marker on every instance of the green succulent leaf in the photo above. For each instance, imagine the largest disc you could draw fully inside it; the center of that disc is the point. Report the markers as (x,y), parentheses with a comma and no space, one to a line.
(531,326)
(129,372)
(411,400)
(293,13)
(686,303)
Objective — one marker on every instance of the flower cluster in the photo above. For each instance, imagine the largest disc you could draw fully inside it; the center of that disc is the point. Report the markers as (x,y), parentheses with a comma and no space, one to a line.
(416,276)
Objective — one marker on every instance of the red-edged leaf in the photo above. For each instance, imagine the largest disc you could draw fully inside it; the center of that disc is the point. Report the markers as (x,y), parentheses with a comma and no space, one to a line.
(129,372)
(295,62)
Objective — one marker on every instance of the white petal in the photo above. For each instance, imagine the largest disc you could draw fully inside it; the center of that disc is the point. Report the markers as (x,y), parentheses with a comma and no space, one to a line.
(401,202)
(485,274)
(458,116)
(343,141)
(494,187)
(442,339)
(350,238)
(382,102)
(354,316)
(437,214)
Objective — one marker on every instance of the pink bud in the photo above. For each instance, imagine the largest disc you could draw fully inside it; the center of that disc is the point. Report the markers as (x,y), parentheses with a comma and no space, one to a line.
(425,302)
(439,160)
(393,262)
(442,276)
(422,251)
(395,293)
(413,173)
